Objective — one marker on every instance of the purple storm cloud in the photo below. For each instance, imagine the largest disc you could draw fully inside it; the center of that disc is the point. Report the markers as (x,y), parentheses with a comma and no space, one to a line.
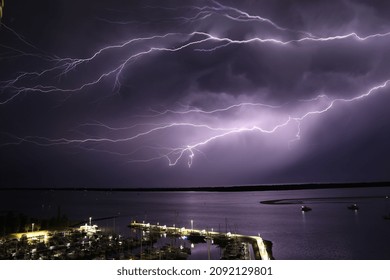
(194,93)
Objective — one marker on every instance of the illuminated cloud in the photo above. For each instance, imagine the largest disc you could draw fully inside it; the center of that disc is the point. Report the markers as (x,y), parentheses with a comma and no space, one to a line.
(195,93)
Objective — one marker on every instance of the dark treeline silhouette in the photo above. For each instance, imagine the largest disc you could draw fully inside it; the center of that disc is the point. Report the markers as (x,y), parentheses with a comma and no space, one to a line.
(276,187)
(13,222)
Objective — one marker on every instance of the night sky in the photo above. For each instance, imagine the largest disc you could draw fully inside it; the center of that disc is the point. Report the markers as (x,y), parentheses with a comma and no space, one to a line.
(193,93)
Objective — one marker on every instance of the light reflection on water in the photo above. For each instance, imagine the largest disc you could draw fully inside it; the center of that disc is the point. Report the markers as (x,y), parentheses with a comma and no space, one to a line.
(329,231)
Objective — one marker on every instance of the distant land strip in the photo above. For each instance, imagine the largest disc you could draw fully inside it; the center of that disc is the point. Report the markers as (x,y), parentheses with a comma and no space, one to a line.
(318,200)
(247,188)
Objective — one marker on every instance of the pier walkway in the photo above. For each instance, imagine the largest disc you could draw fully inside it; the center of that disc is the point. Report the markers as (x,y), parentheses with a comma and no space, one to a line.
(258,245)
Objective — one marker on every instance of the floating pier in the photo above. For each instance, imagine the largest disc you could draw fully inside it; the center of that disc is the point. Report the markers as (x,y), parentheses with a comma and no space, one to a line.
(258,244)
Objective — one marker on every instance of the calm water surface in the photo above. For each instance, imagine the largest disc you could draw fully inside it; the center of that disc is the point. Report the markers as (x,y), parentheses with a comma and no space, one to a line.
(329,231)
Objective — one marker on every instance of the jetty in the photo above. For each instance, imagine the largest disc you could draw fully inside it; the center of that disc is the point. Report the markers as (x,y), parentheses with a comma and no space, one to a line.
(260,250)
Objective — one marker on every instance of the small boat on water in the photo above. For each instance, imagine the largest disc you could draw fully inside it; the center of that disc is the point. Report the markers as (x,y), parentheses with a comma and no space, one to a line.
(304,208)
(353,207)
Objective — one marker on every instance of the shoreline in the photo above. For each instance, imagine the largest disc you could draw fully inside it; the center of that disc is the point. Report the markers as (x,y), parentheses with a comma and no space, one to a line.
(250,188)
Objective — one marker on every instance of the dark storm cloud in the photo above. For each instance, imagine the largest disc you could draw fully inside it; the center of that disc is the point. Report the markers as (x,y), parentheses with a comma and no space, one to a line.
(257,69)
(263,72)
(254,69)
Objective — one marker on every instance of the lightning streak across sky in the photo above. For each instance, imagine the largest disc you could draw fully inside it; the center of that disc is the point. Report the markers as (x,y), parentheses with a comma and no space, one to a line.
(65,65)
(204,47)
(179,152)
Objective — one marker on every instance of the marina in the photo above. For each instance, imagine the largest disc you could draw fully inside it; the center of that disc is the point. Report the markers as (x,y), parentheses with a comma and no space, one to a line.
(90,242)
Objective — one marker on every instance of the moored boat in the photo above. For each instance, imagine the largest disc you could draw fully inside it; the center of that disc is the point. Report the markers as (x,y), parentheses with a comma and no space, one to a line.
(353,207)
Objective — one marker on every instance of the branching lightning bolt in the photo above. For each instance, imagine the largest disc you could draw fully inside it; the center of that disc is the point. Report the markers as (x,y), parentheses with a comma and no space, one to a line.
(175,154)
(134,49)
(195,39)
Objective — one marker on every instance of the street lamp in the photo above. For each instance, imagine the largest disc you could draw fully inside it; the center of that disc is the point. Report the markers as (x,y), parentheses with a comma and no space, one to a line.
(192,225)
(32,227)
(90,221)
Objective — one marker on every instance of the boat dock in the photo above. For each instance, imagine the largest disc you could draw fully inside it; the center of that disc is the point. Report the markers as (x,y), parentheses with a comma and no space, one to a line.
(258,244)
